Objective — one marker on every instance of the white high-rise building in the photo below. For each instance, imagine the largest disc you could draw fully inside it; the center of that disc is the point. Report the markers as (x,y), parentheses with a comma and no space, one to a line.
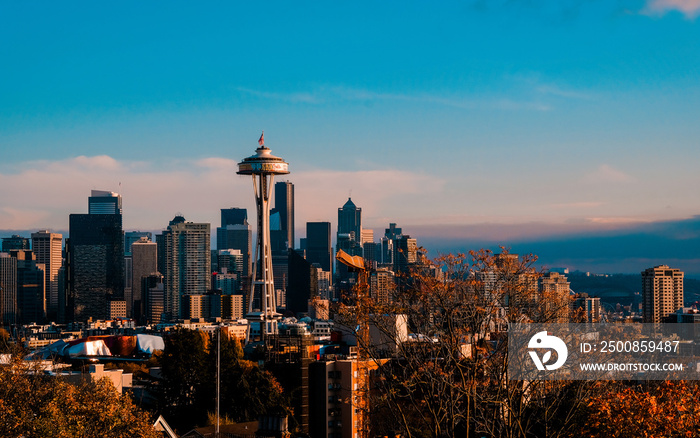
(662,292)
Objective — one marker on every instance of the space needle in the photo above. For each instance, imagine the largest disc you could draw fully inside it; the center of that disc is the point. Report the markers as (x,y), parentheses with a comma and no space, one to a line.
(263,166)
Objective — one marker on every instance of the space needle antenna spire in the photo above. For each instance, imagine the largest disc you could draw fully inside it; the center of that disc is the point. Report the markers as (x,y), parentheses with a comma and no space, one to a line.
(263,166)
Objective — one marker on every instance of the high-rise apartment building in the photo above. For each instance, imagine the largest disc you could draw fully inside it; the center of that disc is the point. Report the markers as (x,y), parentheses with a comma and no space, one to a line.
(48,250)
(662,292)
(232,306)
(339,397)
(554,297)
(586,309)
(187,259)
(381,285)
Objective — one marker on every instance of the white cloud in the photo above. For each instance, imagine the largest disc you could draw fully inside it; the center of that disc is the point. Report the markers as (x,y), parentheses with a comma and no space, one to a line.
(45,193)
(577,205)
(555,90)
(608,174)
(326,94)
(689,8)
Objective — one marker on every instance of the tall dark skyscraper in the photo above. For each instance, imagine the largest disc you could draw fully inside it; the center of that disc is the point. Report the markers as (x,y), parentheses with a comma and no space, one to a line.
(348,238)
(303,283)
(282,233)
(30,288)
(95,264)
(8,289)
(284,205)
(318,244)
(144,263)
(233,216)
(405,253)
(350,221)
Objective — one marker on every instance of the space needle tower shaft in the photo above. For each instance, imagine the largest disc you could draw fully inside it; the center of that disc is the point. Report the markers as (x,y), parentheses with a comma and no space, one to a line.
(263,166)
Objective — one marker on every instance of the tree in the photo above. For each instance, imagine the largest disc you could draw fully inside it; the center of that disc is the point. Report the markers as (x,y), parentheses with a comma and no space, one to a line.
(183,366)
(247,392)
(451,377)
(37,405)
(669,409)
(189,382)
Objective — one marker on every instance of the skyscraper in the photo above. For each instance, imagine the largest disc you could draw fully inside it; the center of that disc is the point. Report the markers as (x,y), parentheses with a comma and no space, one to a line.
(104,202)
(14,242)
(391,234)
(187,258)
(144,263)
(134,236)
(95,251)
(8,289)
(554,294)
(405,253)
(48,250)
(284,205)
(30,288)
(586,309)
(233,216)
(235,233)
(662,292)
(350,223)
(349,237)
(318,245)
(381,283)
(303,283)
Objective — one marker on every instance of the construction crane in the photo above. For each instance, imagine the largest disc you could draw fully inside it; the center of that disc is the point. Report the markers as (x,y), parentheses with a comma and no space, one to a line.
(357,264)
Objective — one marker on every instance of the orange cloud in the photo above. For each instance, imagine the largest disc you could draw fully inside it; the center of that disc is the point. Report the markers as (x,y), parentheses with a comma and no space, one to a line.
(690,8)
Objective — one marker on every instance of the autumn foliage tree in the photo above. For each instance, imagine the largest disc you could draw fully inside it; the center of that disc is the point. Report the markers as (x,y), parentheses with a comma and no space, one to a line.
(33,404)
(188,389)
(669,409)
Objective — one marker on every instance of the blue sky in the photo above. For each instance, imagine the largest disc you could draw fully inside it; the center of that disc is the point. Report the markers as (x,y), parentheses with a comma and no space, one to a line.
(497,120)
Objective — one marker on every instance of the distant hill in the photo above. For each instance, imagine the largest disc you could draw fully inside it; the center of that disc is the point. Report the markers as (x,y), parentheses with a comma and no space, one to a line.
(624,288)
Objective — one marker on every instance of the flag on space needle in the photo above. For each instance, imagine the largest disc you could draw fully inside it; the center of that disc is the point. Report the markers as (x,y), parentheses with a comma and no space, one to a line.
(261,141)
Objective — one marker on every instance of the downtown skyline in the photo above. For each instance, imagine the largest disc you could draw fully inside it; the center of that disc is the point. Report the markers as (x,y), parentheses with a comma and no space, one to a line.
(465,123)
